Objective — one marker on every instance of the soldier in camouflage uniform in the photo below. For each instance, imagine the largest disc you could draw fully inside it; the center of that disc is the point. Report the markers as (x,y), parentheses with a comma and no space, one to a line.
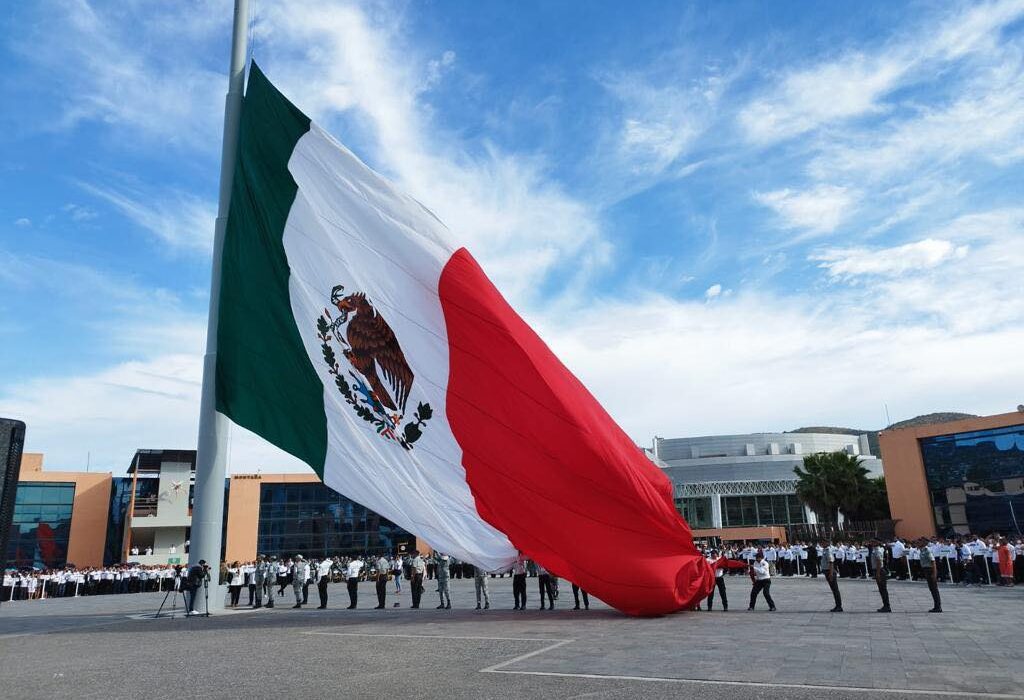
(443,586)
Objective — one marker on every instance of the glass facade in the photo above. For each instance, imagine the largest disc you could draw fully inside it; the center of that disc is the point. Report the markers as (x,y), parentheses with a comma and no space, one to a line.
(41,525)
(976,480)
(696,511)
(120,499)
(756,511)
(314,520)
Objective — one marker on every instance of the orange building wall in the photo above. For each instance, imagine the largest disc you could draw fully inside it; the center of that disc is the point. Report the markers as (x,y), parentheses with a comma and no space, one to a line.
(909,501)
(729,534)
(89,513)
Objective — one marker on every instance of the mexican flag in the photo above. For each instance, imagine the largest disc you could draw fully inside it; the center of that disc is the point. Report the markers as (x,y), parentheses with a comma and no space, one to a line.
(355,335)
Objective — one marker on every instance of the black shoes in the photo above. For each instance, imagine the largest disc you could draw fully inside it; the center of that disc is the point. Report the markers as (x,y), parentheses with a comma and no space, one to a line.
(935,610)
(836,609)
(516,607)
(478,606)
(440,607)
(884,609)
(321,607)
(449,606)
(576,607)
(296,606)
(773,610)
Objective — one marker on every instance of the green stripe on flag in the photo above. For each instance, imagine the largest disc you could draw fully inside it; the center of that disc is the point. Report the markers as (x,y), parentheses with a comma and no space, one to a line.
(265,381)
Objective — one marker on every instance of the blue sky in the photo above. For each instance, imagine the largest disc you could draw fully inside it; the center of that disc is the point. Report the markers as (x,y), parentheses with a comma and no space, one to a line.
(724,217)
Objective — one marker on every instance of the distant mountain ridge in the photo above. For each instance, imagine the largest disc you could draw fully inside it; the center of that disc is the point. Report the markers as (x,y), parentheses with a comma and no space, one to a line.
(926,419)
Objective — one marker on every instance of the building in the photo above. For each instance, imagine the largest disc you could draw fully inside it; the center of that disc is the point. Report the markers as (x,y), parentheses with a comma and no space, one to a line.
(742,487)
(96,519)
(159,515)
(58,516)
(959,477)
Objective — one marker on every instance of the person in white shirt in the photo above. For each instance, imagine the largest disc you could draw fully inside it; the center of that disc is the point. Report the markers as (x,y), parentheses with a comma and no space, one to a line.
(323,577)
(719,582)
(383,570)
(352,579)
(762,582)
(899,563)
(235,578)
(417,569)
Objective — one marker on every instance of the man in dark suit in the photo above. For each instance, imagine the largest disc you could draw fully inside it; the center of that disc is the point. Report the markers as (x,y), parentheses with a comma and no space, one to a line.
(812,560)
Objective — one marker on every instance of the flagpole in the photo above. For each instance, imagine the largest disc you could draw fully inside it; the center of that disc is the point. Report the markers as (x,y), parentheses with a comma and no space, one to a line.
(211,457)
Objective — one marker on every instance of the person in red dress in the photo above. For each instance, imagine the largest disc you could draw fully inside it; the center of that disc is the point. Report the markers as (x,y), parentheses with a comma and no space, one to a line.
(1005,563)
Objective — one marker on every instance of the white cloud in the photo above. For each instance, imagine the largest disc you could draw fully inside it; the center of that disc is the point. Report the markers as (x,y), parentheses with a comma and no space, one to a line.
(23,222)
(117,67)
(854,83)
(333,57)
(140,404)
(894,261)
(817,211)
(79,213)
(848,87)
(178,219)
(713,291)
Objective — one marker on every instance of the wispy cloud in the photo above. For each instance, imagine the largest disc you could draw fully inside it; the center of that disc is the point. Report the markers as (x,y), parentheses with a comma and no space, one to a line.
(816,211)
(854,83)
(180,220)
(897,260)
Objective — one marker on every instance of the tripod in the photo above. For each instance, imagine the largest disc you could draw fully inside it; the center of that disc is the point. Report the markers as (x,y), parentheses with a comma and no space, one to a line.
(173,593)
(206,595)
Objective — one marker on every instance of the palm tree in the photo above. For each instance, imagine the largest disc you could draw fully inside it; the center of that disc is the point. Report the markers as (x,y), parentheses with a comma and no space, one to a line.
(831,482)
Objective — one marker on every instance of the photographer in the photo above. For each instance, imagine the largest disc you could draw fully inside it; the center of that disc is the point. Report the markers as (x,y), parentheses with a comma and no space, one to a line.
(195,578)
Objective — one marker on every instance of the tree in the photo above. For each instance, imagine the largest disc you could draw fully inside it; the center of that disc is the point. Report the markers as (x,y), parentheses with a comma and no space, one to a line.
(830,482)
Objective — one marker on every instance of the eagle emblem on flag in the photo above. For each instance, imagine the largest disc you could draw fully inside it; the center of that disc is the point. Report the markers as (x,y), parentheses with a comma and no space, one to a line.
(378,379)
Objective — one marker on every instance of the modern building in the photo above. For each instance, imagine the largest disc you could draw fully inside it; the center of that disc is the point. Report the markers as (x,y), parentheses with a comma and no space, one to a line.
(96,519)
(159,515)
(742,487)
(58,516)
(959,477)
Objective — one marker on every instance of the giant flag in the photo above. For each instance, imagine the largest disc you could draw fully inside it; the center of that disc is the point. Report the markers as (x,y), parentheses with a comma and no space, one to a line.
(354,335)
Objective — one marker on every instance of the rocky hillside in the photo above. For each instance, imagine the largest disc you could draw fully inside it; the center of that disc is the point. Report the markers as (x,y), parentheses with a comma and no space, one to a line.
(927,419)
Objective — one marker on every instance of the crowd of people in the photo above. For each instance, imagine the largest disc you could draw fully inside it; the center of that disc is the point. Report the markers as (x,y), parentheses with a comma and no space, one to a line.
(965,561)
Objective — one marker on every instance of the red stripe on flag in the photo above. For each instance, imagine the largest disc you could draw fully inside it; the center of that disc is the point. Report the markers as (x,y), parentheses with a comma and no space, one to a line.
(550,468)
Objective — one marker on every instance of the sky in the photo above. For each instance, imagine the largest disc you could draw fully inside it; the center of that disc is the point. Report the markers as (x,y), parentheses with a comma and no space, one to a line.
(723,217)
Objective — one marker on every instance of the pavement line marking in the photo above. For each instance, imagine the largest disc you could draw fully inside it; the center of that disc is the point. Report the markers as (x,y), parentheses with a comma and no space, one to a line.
(444,636)
(557,643)
(754,684)
(499,668)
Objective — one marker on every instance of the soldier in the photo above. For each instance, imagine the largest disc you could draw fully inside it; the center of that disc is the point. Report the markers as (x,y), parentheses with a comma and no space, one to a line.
(417,569)
(480,583)
(300,569)
(928,570)
(383,569)
(443,585)
(259,579)
(519,581)
(270,578)
(830,568)
(880,574)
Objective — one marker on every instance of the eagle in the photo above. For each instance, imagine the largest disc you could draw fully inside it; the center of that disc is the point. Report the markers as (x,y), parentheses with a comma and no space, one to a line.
(373,349)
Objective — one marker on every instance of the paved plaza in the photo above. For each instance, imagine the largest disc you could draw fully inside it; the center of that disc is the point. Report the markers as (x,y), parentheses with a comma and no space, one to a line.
(95,648)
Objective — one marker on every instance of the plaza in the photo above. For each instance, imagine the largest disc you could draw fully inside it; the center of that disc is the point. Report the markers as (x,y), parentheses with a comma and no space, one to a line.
(106,647)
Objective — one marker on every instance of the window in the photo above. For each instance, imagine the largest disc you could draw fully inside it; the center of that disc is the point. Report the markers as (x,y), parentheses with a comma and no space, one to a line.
(696,511)
(315,520)
(41,524)
(759,511)
(979,472)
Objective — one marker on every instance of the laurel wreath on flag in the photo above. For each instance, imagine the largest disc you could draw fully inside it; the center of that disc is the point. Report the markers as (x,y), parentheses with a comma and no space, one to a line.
(386,425)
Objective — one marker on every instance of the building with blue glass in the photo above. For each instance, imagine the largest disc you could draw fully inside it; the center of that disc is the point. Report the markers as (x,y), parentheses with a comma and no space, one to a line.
(955,478)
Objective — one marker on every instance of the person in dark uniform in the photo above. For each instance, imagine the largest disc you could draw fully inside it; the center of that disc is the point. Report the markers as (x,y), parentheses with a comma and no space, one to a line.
(417,569)
(576,590)
(812,561)
(928,570)
(880,574)
(831,570)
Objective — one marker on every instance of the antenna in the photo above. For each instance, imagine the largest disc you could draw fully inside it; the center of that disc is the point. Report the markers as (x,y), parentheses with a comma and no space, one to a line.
(888,420)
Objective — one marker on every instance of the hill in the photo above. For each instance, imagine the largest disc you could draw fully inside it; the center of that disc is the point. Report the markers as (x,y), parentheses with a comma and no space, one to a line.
(927,419)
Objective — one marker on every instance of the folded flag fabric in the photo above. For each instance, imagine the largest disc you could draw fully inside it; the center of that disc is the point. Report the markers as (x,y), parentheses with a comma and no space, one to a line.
(354,335)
